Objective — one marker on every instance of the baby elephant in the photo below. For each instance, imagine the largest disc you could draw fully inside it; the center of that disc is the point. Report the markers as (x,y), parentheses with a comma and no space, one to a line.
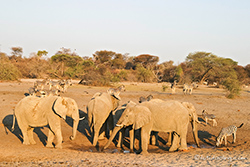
(228,131)
(210,117)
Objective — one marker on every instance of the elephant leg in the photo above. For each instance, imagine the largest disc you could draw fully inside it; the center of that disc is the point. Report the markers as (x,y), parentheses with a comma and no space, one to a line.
(132,138)
(121,138)
(145,134)
(30,135)
(50,139)
(110,125)
(102,131)
(175,142)
(183,142)
(95,136)
(56,128)
(24,128)
(169,139)
(154,138)
(58,135)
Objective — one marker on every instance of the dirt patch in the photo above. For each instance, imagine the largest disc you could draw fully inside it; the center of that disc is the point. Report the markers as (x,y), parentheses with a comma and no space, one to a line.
(80,152)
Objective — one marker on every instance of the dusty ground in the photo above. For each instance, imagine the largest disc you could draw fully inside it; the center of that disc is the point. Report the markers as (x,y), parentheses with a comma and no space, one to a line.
(81,153)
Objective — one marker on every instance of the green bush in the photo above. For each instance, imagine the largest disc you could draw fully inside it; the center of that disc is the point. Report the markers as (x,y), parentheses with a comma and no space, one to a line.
(143,74)
(164,87)
(8,71)
(233,86)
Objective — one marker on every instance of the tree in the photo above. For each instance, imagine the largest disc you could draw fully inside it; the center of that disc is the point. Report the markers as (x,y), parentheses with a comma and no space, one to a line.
(65,58)
(178,73)
(41,53)
(119,61)
(201,64)
(103,56)
(247,68)
(144,74)
(241,73)
(7,70)
(148,61)
(17,51)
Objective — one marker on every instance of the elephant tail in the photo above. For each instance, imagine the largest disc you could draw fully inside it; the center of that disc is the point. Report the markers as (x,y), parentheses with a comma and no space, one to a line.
(14,120)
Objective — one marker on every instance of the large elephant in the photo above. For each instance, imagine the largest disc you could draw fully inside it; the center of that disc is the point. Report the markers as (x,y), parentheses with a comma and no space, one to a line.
(99,111)
(33,112)
(158,116)
(193,118)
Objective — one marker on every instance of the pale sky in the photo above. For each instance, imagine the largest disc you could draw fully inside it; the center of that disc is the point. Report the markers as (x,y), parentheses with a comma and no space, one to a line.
(170,29)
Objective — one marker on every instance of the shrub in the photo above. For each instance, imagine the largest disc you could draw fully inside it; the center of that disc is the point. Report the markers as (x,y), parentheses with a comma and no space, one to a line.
(8,71)
(233,86)
(143,74)
(164,87)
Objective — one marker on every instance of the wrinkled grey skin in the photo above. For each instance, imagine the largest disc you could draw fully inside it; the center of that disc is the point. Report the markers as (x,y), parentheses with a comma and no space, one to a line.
(99,111)
(33,112)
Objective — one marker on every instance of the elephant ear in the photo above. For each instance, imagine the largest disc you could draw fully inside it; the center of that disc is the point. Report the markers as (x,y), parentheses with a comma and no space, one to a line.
(189,106)
(191,110)
(60,107)
(142,116)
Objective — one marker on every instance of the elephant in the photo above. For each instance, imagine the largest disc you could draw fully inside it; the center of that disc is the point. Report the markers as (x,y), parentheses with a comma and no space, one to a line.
(117,115)
(167,116)
(99,111)
(33,111)
(129,124)
(193,118)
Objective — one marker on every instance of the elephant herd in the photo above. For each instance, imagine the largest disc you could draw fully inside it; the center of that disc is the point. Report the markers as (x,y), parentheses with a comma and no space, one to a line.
(105,115)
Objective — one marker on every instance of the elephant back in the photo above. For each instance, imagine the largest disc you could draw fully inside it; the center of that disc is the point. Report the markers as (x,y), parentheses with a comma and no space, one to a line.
(101,105)
(167,111)
(27,104)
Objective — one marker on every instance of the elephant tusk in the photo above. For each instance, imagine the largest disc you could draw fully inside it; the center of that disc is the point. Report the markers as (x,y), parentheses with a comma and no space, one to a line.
(81,118)
(198,122)
(118,125)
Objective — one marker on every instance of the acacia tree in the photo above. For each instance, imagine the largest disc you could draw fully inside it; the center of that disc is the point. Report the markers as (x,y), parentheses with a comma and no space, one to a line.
(17,51)
(148,61)
(119,61)
(65,58)
(103,56)
(41,53)
(205,65)
(201,64)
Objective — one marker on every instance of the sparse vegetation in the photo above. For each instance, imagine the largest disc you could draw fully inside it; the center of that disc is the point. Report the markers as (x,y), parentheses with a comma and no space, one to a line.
(108,66)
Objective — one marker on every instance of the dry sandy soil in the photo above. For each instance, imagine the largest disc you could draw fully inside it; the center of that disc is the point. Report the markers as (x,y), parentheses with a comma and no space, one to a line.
(80,152)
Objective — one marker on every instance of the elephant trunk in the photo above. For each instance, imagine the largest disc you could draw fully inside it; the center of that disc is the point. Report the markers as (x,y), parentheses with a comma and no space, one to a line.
(74,130)
(115,131)
(195,133)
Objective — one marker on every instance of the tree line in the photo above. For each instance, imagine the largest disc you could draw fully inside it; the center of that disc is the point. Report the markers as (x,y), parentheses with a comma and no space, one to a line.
(105,66)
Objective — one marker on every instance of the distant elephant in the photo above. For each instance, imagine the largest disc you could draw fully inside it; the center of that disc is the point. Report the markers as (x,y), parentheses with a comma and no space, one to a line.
(150,116)
(33,112)
(99,111)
